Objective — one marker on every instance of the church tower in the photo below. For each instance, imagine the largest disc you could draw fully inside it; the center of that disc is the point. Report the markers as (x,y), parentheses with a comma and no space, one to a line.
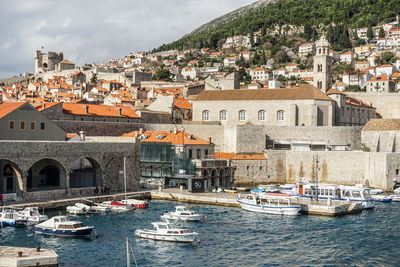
(322,65)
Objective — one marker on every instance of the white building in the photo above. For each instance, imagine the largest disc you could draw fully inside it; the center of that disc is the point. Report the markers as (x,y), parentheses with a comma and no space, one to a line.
(260,74)
(386,70)
(230,61)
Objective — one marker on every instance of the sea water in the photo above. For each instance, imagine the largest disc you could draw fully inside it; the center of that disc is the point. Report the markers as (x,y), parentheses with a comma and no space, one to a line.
(230,237)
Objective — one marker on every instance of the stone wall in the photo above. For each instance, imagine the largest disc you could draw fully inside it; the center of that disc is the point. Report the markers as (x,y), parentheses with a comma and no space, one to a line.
(387,104)
(251,171)
(98,128)
(381,141)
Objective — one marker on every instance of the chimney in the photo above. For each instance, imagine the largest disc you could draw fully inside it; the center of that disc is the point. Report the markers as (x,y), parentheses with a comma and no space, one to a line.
(120,111)
(43,106)
(82,135)
(175,130)
(182,129)
(141,131)
(209,140)
(86,109)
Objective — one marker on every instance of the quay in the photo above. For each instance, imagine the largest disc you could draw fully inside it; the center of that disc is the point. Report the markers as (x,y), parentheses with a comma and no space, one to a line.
(27,257)
(308,206)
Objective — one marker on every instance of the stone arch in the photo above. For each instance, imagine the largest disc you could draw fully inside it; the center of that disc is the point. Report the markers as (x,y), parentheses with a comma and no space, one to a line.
(46,174)
(85,172)
(10,177)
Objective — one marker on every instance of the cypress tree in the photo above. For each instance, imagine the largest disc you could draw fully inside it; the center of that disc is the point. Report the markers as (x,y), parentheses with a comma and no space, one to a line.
(370,33)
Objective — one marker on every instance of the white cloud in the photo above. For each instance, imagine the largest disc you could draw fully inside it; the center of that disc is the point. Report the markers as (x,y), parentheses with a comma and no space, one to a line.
(95,31)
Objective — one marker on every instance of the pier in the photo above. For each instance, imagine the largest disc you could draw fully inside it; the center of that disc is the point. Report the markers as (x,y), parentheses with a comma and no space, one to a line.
(27,257)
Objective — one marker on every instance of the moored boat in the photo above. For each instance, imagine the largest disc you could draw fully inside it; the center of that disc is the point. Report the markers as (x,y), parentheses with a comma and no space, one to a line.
(62,226)
(270,204)
(74,210)
(138,204)
(93,208)
(117,206)
(32,215)
(10,217)
(183,214)
(167,232)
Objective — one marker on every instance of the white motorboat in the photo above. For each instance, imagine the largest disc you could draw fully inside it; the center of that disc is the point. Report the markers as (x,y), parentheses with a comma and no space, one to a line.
(62,226)
(32,215)
(271,204)
(288,189)
(376,191)
(10,217)
(117,206)
(395,198)
(74,210)
(166,232)
(138,204)
(93,208)
(183,214)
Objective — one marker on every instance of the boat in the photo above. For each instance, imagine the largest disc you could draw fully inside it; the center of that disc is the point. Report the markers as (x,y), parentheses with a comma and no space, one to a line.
(32,215)
(270,188)
(93,208)
(62,226)
(138,204)
(383,199)
(395,198)
(288,189)
(10,217)
(117,206)
(376,191)
(167,232)
(357,193)
(183,214)
(279,204)
(74,210)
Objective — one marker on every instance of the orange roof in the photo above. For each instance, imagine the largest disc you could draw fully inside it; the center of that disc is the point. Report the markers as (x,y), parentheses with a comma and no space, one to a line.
(380,78)
(8,107)
(180,138)
(223,155)
(70,135)
(182,103)
(385,66)
(357,102)
(248,157)
(99,110)
(396,75)
(46,106)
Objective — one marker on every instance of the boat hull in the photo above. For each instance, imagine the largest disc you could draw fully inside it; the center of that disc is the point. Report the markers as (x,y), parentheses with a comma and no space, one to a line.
(183,238)
(84,232)
(15,223)
(190,218)
(276,210)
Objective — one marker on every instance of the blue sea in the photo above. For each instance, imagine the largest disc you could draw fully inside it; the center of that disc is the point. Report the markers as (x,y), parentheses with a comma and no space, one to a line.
(231,237)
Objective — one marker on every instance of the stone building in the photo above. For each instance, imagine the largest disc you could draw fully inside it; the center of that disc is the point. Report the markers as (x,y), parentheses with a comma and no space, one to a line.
(47,61)
(225,82)
(381,135)
(381,84)
(323,65)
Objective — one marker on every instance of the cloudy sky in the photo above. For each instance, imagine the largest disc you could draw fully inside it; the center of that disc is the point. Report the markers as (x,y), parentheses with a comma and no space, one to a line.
(90,31)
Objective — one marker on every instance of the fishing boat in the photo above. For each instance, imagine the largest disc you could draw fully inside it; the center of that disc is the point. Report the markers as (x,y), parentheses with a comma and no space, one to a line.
(32,215)
(279,204)
(167,232)
(183,214)
(74,210)
(138,204)
(117,206)
(10,217)
(357,193)
(62,226)
(93,208)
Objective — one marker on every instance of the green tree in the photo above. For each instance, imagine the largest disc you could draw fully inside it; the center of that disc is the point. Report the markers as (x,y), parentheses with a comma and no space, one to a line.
(244,77)
(94,78)
(370,33)
(162,75)
(381,33)
(251,38)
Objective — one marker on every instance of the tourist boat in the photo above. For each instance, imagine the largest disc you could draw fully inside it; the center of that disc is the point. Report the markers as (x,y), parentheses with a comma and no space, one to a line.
(93,208)
(74,210)
(32,215)
(183,214)
(62,226)
(117,206)
(357,193)
(269,203)
(10,217)
(138,204)
(288,189)
(270,188)
(166,232)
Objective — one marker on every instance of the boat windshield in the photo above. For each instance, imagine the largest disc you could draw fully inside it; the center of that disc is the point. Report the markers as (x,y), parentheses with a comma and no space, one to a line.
(63,219)
(366,194)
(185,213)
(356,193)
(162,226)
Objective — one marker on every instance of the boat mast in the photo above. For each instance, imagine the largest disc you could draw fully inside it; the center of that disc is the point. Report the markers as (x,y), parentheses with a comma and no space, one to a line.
(125,175)
(128,255)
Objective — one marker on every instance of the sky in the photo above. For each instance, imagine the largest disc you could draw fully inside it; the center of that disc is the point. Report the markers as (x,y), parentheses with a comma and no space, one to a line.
(88,31)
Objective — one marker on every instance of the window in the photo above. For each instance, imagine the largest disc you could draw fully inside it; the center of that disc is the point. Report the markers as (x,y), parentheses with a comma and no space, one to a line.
(198,153)
(222,115)
(206,152)
(247,168)
(190,153)
(22,125)
(206,115)
(281,115)
(397,171)
(11,125)
(261,115)
(260,168)
(242,115)
(32,125)
(42,126)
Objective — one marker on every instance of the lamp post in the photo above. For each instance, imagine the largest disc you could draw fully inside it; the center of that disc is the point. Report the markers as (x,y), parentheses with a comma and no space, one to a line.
(315,159)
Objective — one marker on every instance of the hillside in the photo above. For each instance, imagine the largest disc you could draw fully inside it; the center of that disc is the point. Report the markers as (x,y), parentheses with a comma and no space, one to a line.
(313,15)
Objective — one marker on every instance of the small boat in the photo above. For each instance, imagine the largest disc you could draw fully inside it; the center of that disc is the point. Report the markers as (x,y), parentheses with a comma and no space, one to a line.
(395,198)
(166,232)
(270,188)
(10,217)
(32,215)
(139,204)
(117,206)
(183,214)
(375,191)
(383,199)
(74,210)
(93,208)
(62,226)
(270,204)
(288,189)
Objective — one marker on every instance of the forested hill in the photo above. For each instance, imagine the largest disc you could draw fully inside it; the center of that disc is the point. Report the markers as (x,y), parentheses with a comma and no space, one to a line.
(313,15)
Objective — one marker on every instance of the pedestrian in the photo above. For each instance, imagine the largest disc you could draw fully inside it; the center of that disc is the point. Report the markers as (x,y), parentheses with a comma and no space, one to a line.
(1,200)
(108,190)
(105,190)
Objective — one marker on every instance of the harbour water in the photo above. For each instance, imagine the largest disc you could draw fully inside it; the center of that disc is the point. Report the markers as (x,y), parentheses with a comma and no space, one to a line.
(231,237)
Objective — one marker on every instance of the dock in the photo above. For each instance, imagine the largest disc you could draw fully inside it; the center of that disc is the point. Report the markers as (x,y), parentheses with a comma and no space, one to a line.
(27,257)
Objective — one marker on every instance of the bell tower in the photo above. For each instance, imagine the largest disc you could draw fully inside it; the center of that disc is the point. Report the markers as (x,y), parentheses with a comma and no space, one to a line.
(322,65)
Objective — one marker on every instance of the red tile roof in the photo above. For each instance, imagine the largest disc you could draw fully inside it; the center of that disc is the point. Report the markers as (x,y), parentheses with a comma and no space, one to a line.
(180,138)
(99,110)
(8,107)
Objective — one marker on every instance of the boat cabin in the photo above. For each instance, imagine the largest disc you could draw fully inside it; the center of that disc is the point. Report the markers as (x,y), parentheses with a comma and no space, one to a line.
(334,191)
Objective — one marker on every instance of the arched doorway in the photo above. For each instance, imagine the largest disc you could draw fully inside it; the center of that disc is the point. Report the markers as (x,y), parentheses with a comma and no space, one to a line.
(46,174)
(10,177)
(85,172)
